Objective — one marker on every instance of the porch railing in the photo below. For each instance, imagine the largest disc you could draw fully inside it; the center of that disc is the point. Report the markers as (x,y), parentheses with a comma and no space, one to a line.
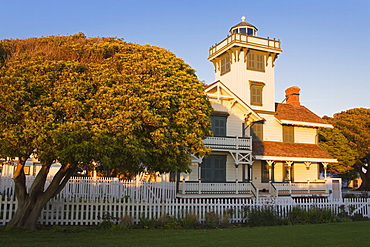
(300,188)
(188,187)
(218,142)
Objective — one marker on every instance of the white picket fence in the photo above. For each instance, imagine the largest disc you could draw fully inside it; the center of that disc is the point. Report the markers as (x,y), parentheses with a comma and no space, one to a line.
(89,188)
(90,211)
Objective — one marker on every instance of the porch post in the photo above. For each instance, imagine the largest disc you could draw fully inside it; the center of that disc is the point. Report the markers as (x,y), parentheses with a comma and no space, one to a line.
(289,164)
(199,179)
(183,186)
(270,163)
(325,165)
(250,173)
(237,180)
(308,164)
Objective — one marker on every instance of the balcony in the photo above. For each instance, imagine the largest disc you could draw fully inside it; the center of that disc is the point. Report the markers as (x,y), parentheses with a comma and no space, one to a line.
(228,143)
(237,39)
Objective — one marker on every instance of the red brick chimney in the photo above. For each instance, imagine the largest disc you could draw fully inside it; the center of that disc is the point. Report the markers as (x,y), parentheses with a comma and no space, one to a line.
(292,96)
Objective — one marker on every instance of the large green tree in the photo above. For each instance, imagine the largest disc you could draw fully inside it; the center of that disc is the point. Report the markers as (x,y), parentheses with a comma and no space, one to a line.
(336,144)
(79,100)
(354,125)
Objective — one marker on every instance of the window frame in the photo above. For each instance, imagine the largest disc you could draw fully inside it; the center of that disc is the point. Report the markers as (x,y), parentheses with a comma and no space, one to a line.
(288,134)
(256,61)
(213,168)
(257,132)
(265,172)
(256,93)
(225,64)
(218,116)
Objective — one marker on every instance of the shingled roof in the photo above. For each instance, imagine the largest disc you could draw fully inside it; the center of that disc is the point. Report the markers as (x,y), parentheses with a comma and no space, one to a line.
(298,114)
(290,150)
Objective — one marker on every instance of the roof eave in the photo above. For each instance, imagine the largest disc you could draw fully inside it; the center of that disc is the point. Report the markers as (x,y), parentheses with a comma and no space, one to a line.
(296,159)
(308,124)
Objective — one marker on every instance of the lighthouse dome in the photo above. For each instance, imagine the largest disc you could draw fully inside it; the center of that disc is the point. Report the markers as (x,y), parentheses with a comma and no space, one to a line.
(244,28)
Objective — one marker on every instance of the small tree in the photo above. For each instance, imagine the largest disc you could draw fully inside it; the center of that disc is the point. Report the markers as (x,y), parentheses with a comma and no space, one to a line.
(77,101)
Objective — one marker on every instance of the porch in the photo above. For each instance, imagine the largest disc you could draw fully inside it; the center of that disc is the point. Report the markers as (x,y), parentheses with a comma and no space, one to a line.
(197,189)
(299,189)
(194,189)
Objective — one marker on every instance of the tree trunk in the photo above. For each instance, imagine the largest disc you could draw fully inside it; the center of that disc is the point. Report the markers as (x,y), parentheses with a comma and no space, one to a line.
(364,171)
(31,204)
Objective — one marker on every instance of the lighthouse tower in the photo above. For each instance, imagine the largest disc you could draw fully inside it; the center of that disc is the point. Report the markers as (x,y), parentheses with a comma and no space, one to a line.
(245,63)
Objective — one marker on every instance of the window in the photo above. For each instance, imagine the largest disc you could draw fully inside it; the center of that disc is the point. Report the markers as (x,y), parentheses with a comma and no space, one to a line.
(225,64)
(219,125)
(243,30)
(213,168)
(288,133)
(265,172)
(256,61)
(256,93)
(250,32)
(257,132)
(27,170)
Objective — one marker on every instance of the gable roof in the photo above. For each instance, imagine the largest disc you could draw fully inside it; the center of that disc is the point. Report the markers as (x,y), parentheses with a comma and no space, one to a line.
(269,150)
(218,90)
(289,114)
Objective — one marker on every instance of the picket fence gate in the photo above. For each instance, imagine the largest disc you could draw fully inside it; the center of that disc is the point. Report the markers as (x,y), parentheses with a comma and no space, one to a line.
(90,211)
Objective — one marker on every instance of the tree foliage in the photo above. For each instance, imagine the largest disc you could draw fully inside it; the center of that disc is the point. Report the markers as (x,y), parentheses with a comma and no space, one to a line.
(335,143)
(80,100)
(354,125)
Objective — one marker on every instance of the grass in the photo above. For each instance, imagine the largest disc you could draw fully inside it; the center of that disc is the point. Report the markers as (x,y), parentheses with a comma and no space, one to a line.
(333,234)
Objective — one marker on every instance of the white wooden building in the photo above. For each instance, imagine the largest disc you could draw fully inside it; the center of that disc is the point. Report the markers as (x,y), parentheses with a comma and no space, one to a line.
(258,145)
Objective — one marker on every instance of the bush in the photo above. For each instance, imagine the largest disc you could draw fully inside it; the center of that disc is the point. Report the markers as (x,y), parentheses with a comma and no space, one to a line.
(190,221)
(212,220)
(313,215)
(126,221)
(163,221)
(108,221)
(263,216)
(148,223)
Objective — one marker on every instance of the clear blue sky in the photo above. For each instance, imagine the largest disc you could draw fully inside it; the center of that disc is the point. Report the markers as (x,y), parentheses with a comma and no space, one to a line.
(325,42)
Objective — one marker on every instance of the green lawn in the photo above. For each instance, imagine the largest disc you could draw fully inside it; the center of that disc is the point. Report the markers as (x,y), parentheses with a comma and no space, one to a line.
(334,234)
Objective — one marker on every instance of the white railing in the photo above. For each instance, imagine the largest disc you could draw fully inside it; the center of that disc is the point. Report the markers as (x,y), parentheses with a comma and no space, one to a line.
(245,39)
(217,142)
(79,187)
(186,187)
(297,188)
(76,211)
(273,190)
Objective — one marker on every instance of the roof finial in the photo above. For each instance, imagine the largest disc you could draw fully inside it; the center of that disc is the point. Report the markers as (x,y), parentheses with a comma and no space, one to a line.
(243,18)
